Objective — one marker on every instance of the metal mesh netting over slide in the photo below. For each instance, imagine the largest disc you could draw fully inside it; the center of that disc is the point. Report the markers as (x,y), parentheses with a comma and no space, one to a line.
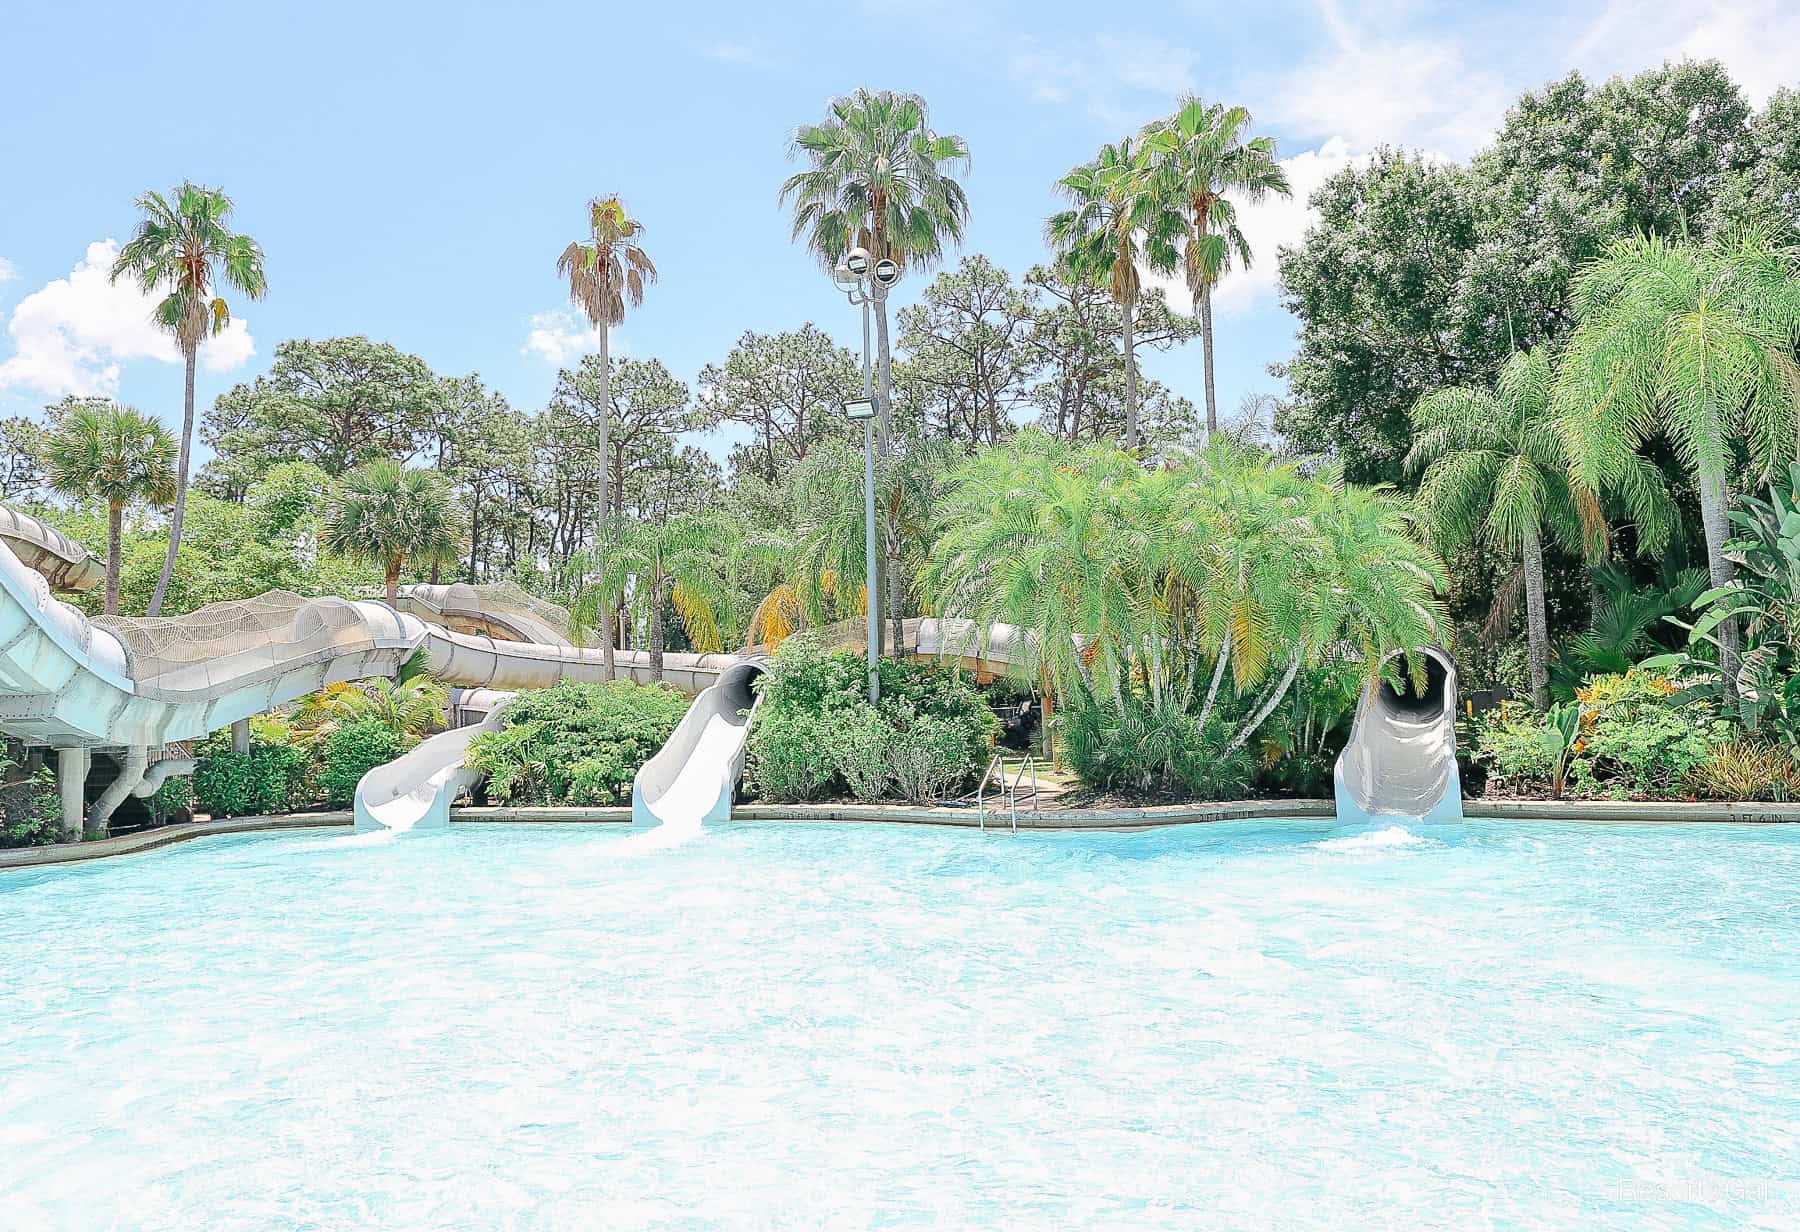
(493,602)
(235,640)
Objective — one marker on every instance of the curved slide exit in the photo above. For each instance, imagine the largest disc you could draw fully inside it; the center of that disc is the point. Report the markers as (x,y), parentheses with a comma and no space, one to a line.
(692,780)
(416,789)
(1401,759)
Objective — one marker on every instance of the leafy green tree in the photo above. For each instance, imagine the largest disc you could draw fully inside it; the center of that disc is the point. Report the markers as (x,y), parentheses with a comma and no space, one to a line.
(1495,466)
(1375,287)
(1694,345)
(335,402)
(1766,189)
(488,460)
(968,363)
(96,450)
(1118,221)
(21,457)
(880,178)
(1076,343)
(788,389)
(389,514)
(649,409)
(1202,160)
(606,271)
(183,251)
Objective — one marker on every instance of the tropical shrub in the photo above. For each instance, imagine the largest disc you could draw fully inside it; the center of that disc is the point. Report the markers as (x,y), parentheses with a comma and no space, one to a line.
(174,797)
(1158,749)
(816,734)
(1632,735)
(577,743)
(1747,769)
(270,778)
(29,809)
(350,751)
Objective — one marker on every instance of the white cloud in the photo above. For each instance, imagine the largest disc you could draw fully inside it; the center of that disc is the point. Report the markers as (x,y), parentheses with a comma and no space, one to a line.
(1754,39)
(559,337)
(1372,87)
(1123,79)
(727,52)
(1267,227)
(75,335)
(8,271)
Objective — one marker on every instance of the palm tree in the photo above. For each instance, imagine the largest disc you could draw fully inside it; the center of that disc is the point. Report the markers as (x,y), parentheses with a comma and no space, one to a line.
(1119,220)
(183,251)
(1200,155)
(389,514)
(410,707)
(605,272)
(96,450)
(879,178)
(1496,467)
(1696,345)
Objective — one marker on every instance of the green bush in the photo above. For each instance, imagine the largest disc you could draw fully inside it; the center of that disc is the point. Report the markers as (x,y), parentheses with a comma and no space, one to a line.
(789,759)
(577,743)
(351,751)
(270,778)
(1634,738)
(816,735)
(30,812)
(175,796)
(1147,748)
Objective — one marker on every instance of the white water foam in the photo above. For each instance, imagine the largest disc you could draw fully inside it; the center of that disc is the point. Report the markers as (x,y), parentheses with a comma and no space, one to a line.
(1374,840)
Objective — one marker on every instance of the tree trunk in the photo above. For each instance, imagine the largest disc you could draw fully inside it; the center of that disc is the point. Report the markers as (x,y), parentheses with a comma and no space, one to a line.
(474,534)
(1206,351)
(1212,690)
(884,377)
(658,598)
(608,627)
(181,484)
(1267,708)
(393,581)
(1131,381)
(1536,625)
(1715,519)
(115,518)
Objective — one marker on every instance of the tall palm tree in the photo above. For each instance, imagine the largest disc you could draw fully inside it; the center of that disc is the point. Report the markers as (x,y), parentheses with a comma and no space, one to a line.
(97,450)
(389,514)
(606,271)
(1202,160)
(1118,221)
(879,178)
(1695,344)
(183,250)
(1496,467)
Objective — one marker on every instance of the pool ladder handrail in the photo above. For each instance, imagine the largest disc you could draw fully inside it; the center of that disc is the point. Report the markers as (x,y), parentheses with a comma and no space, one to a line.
(1006,793)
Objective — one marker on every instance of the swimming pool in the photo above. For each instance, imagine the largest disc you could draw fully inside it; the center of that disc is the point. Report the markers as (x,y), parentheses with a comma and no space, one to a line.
(1243,1025)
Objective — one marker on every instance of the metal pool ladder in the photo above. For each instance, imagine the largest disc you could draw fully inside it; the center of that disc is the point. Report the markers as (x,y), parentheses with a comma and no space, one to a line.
(1005,793)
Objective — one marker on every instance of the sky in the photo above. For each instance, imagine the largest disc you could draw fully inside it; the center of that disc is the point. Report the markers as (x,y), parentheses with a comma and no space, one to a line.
(412,170)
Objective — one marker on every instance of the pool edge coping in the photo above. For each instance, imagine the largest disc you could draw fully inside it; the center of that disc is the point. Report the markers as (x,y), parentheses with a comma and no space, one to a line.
(1603,812)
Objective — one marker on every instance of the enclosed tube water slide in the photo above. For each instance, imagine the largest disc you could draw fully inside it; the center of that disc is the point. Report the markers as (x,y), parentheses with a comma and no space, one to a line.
(1400,762)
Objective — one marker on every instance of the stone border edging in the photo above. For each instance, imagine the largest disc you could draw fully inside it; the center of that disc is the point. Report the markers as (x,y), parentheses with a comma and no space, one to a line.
(149,840)
(1617,812)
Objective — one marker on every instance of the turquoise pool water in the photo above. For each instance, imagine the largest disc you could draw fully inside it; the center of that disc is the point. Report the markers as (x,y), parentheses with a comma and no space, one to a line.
(1236,1026)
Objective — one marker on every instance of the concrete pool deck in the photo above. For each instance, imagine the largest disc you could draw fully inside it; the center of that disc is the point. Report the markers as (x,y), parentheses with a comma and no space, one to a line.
(1612,812)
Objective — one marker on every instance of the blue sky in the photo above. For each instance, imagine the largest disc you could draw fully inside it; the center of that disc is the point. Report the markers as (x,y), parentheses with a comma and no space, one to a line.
(413,169)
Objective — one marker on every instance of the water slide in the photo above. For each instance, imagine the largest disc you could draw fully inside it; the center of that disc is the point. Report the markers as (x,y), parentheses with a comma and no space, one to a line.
(693,778)
(64,564)
(135,685)
(417,788)
(1400,762)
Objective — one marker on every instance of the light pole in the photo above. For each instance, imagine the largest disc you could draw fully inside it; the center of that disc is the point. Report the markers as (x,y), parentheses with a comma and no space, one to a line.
(853,276)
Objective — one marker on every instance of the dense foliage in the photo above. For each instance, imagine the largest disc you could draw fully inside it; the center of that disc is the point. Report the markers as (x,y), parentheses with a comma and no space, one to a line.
(29,812)
(576,743)
(816,735)
(350,751)
(271,778)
